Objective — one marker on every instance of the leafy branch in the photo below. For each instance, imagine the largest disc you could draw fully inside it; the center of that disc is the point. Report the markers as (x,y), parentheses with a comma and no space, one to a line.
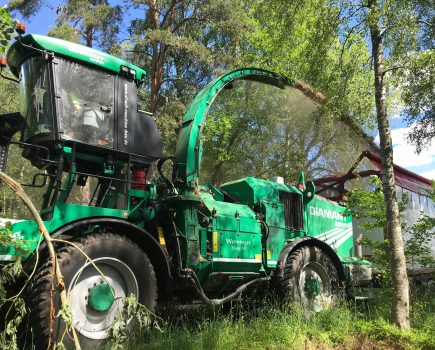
(18,190)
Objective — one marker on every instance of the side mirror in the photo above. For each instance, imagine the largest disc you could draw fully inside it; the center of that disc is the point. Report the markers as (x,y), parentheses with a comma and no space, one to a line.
(10,124)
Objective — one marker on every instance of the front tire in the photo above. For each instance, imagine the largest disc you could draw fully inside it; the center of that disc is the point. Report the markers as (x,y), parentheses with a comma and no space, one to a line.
(310,279)
(94,300)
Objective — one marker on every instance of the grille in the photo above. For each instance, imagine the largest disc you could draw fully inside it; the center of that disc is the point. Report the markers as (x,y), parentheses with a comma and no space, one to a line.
(293,209)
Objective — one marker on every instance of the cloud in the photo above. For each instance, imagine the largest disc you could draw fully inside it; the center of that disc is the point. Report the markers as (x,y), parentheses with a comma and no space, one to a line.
(406,157)
(429,174)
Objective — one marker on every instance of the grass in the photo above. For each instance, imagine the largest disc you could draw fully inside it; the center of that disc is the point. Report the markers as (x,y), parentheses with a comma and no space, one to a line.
(267,325)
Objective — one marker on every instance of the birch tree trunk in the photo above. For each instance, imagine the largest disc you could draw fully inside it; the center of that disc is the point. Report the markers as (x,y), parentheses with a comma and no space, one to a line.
(400,301)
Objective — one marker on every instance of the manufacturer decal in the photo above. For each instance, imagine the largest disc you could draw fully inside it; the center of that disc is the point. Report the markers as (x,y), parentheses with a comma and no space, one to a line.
(125,114)
(326,213)
(237,244)
(92,55)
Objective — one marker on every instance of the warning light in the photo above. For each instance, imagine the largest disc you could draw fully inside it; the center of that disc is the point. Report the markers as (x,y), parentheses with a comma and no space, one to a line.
(20,28)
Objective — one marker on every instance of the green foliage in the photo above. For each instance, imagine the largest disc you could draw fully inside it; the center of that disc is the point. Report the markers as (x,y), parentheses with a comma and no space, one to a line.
(301,41)
(17,167)
(95,23)
(11,306)
(65,31)
(25,7)
(383,331)
(369,204)
(365,203)
(418,247)
(268,325)
(9,336)
(417,83)
(9,239)
(7,25)
(189,44)
(9,274)
(132,316)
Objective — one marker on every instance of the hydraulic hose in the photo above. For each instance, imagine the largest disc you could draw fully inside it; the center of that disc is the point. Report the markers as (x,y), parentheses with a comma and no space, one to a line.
(236,293)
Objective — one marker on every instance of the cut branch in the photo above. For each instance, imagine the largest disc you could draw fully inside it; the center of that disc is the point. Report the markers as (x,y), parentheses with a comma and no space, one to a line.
(18,190)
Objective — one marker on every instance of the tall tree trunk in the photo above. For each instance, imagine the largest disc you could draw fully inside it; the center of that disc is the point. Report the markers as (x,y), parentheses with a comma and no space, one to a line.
(400,302)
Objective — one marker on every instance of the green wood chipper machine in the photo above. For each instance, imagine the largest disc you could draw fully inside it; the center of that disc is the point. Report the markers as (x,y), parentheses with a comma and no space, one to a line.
(165,238)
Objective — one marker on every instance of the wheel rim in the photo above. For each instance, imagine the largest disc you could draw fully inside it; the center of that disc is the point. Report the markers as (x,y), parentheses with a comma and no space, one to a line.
(119,279)
(315,287)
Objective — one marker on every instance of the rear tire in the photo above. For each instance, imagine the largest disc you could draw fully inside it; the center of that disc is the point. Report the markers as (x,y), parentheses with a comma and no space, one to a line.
(128,271)
(310,279)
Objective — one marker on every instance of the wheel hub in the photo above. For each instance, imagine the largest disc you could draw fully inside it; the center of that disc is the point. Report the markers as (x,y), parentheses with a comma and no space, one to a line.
(315,287)
(101,297)
(95,300)
(312,288)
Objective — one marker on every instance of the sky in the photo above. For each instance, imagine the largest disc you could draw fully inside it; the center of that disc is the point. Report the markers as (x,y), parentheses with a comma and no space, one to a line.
(404,154)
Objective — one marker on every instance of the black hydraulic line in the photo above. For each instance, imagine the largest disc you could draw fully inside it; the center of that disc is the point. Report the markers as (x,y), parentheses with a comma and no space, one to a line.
(160,163)
(58,181)
(266,227)
(192,276)
(264,238)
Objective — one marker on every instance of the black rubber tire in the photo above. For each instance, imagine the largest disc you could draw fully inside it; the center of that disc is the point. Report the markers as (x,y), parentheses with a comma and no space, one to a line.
(70,261)
(292,289)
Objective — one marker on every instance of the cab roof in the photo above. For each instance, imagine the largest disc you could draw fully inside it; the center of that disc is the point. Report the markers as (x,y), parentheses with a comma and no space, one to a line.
(17,53)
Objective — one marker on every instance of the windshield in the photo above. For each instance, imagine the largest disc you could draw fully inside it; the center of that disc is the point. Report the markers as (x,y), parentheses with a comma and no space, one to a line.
(35,100)
(85,104)
(251,127)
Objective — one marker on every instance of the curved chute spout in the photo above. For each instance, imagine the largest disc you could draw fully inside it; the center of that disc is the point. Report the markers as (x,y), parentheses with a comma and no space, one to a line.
(243,91)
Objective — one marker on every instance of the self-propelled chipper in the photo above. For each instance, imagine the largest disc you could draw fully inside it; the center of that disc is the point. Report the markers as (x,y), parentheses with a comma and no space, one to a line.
(170,238)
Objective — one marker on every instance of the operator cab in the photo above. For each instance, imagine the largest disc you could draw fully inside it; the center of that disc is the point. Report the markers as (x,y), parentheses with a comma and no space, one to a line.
(82,98)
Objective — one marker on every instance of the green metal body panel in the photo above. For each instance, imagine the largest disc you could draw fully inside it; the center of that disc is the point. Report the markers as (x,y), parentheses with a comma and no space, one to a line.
(326,222)
(250,190)
(263,197)
(236,237)
(62,214)
(17,54)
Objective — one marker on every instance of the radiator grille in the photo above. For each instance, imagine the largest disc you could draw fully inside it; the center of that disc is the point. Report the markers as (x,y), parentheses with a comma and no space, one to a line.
(293,209)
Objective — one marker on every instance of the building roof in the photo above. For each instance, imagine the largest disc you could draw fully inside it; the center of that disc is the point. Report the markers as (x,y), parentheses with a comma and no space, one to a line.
(404,178)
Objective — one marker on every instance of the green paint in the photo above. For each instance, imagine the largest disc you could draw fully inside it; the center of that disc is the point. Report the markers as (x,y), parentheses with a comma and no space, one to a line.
(326,222)
(312,288)
(188,150)
(17,54)
(62,214)
(250,190)
(101,297)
